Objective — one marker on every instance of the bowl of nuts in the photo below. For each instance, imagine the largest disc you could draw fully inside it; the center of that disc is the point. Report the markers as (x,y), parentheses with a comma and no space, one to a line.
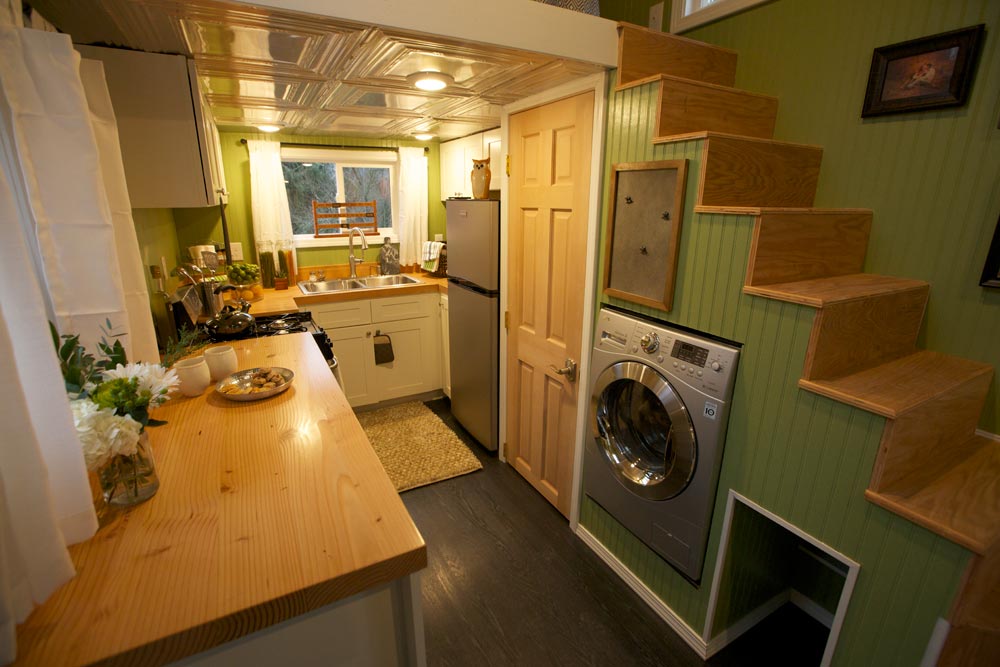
(255,383)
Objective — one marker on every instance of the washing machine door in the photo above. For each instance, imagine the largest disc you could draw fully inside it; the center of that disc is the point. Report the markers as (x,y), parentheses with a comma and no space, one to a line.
(643,431)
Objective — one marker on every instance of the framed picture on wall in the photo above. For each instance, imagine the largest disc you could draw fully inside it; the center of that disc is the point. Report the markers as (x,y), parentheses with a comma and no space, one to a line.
(926,73)
(644,230)
(991,272)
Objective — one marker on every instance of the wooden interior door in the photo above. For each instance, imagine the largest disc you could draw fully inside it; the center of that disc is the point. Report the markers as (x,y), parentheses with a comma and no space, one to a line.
(548,196)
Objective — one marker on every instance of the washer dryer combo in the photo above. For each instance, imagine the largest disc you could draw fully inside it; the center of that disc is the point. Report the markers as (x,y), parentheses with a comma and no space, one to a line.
(659,407)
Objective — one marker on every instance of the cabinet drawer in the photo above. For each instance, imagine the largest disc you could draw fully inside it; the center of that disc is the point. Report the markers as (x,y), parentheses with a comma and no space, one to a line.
(403,307)
(346,314)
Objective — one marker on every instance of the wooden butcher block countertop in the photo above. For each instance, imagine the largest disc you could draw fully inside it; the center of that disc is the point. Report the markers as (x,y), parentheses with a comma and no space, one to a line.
(266,510)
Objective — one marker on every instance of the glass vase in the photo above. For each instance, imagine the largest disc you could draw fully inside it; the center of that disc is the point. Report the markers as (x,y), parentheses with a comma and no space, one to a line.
(130,480)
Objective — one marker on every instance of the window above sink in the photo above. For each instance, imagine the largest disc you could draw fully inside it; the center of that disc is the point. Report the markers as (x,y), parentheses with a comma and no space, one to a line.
(328,174)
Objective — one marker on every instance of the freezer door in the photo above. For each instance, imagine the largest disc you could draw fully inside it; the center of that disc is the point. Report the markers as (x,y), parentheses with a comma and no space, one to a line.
(473,337)
(474,241)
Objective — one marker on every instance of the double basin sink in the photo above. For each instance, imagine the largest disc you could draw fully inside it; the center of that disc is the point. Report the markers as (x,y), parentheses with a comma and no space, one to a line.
(350,284)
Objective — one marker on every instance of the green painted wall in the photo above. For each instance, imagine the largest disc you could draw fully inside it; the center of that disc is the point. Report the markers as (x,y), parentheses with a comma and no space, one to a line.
(634,11)
(197,224)
(156,232)
(805,458)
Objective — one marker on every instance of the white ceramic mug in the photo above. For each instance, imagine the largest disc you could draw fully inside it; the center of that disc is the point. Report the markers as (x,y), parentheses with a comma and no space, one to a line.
(194,375)
(221,361)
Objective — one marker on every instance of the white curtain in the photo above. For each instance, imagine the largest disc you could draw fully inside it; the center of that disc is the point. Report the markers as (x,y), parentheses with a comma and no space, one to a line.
(65,251)
(272,222)
(142,334)
(412,215)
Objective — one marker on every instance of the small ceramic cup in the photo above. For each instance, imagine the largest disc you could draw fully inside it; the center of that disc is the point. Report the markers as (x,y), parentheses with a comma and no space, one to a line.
(194,375)
(221,361)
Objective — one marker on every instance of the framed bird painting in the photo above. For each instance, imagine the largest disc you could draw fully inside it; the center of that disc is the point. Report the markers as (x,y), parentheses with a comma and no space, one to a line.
(926,73)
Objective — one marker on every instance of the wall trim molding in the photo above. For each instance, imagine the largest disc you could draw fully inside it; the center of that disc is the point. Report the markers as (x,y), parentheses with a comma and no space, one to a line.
(676,623)
(737,629)
(995,437)
(809,606)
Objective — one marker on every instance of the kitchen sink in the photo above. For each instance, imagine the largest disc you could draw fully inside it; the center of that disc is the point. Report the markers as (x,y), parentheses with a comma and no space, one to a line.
(327,286)
(387,281)
(347,284)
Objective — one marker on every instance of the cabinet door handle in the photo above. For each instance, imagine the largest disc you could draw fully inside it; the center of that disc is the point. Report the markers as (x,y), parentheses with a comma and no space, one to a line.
(368,334)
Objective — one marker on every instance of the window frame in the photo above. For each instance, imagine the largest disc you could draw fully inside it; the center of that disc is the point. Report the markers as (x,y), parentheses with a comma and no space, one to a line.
(684,18)
(348,157)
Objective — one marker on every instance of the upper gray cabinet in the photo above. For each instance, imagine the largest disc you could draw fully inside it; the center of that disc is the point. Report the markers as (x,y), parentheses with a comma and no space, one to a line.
(170,145)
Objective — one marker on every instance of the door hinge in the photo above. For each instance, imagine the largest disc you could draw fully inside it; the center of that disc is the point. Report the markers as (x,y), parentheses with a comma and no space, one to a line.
(508,165)
(506,320)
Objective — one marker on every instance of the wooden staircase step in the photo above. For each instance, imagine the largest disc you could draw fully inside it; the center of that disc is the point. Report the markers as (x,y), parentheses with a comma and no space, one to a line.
(893,388)
(961,503)
(686,106)
(740,171)
(792,245)
(644,53)
(822,292)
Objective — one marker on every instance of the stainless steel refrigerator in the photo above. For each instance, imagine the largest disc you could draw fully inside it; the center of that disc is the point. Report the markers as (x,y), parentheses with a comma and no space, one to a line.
(474,316)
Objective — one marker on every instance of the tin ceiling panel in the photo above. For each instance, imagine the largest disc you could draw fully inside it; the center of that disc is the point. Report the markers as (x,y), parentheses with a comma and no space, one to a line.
(317,74)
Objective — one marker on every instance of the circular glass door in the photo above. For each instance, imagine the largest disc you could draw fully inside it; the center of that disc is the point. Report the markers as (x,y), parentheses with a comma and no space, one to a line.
(643,430)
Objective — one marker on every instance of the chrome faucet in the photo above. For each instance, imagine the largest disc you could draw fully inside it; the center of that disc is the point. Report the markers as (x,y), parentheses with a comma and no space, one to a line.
(351,259)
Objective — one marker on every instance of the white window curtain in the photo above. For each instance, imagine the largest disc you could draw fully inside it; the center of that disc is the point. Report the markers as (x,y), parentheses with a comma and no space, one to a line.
(272,222)
(138,315)
(67,246)
(412,214)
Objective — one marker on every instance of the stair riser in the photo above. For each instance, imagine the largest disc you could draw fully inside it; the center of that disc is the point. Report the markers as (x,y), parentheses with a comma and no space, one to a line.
(746,172)
(852,336)
(789,247)
(643,53)
(685,106)
(919,445)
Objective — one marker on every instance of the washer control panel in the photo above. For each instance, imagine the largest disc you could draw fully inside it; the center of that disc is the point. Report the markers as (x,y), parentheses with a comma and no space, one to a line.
(650,342)
(703,363)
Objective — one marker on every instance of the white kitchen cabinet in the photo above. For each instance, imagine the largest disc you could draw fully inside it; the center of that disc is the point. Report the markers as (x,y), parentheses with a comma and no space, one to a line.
(169,142)
(356,361)
(445,351)
(456,162)
(413,324)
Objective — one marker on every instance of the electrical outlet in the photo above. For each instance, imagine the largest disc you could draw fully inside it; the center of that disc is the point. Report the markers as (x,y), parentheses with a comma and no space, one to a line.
(656,17)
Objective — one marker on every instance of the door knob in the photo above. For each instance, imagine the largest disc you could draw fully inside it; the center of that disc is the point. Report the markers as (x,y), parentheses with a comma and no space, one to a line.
(569,371)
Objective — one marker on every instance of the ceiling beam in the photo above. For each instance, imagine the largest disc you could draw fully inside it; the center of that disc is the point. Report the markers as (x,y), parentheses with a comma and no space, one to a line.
(519,24)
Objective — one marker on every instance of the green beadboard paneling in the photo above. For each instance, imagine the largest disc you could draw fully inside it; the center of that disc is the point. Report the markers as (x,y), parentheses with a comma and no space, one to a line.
(931,177)
(804,457)
(156,233)
(197,224)
(634,11)
(761,560)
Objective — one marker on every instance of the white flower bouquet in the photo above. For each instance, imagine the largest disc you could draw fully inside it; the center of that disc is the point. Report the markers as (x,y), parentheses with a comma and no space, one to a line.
(111,399)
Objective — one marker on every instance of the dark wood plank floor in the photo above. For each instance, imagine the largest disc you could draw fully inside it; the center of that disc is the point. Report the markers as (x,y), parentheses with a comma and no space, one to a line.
(507,583)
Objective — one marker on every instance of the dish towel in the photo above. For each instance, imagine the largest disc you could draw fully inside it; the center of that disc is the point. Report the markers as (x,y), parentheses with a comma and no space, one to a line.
(383,349)
(431,255)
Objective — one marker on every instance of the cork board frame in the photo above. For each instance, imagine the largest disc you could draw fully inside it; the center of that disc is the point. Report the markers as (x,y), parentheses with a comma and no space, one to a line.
(646,208)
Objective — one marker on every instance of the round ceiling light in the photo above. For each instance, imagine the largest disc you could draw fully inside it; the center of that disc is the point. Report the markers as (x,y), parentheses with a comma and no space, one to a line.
(430,81)
(268,128)
(423,136)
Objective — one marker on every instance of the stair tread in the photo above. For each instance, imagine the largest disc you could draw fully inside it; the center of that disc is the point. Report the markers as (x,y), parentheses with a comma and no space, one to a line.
(962,504)
(710,134)
(819,292)
(693,82)
(892,388)
(760,210)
